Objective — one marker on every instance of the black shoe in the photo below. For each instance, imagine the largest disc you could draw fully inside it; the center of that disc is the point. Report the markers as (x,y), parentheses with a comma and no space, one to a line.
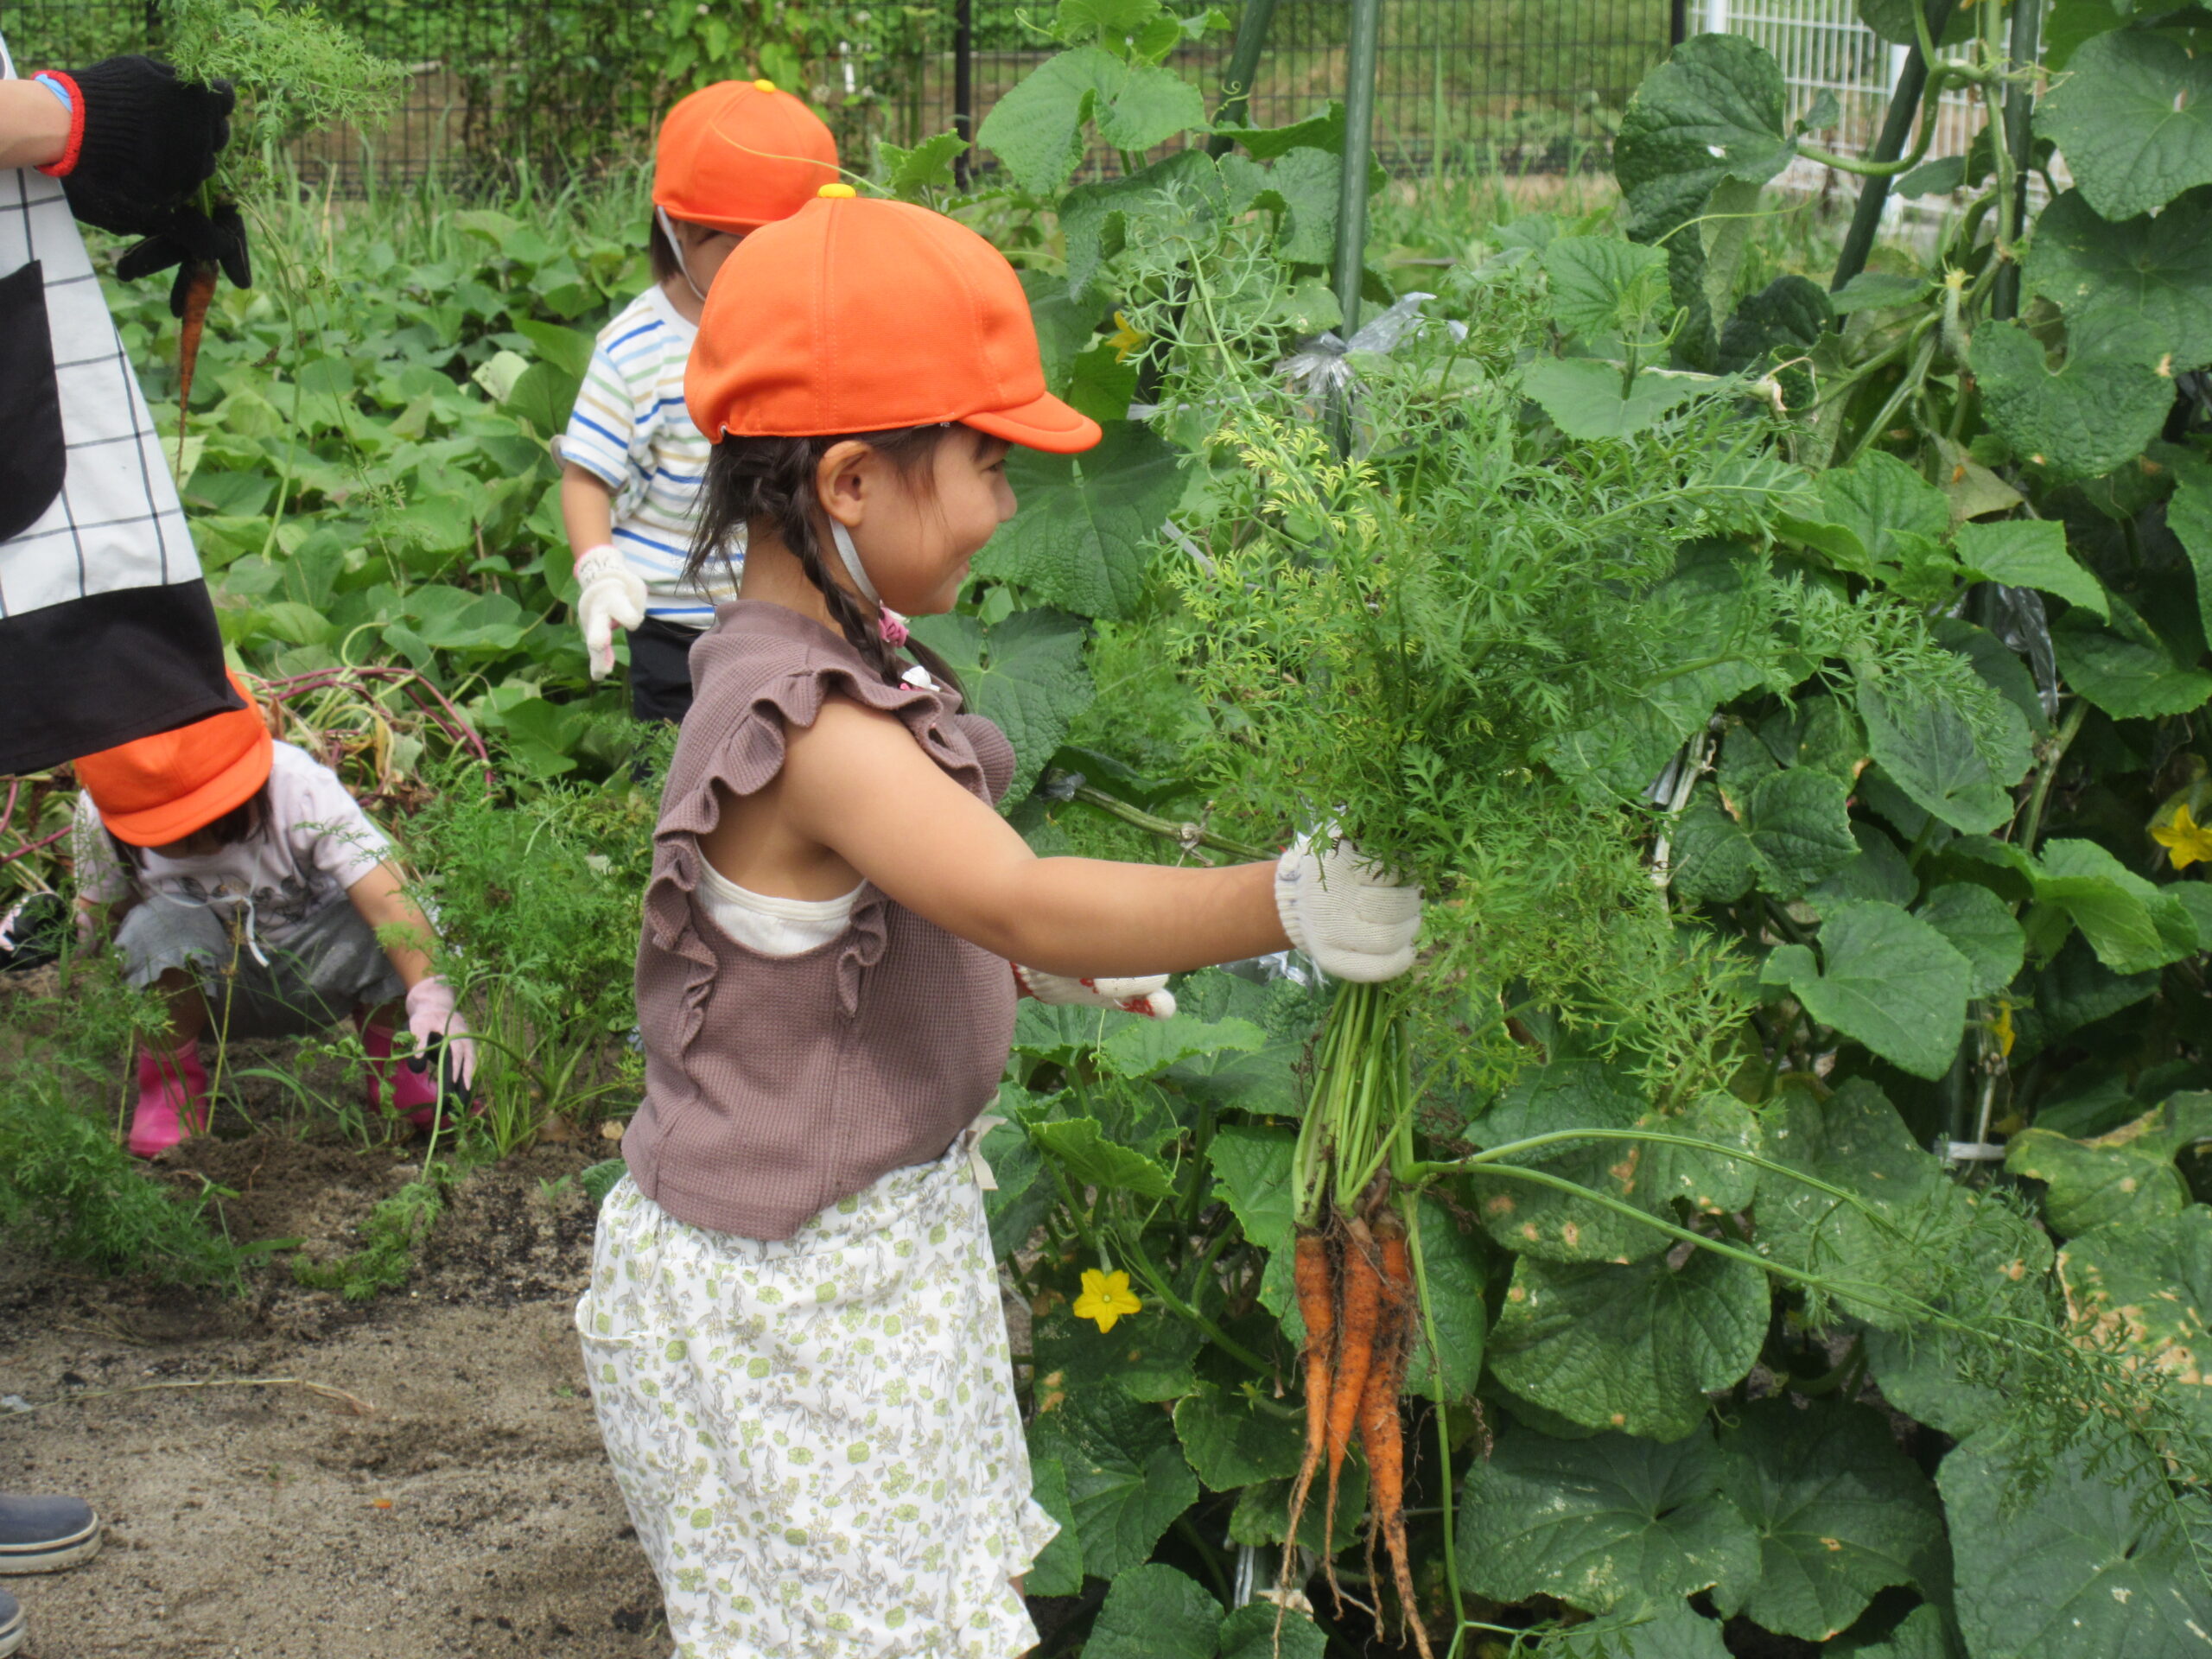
(44,1535)
(11,1624)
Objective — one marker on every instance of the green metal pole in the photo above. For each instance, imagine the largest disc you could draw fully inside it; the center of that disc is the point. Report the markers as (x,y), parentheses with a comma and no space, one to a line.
(2019,136)
(1359,148)
(1896,129)
(1244,64)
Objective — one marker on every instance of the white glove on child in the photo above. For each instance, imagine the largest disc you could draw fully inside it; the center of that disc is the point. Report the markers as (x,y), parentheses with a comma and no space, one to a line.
(431,1013)
(1147,996)
(1345,912)
(610,595)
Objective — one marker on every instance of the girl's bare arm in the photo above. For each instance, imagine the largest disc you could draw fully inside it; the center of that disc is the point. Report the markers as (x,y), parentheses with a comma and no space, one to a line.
(586,508)
(857,782)
(381,898)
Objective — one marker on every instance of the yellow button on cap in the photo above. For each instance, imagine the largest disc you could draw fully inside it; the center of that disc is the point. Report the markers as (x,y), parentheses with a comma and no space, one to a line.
(838,192)
(764,85)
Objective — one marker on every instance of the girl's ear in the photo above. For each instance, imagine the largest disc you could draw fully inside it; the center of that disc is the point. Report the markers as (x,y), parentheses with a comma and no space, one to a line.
(843,480)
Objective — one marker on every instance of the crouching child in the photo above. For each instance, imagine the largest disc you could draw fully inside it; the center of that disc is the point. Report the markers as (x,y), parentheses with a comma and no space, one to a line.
(243,883)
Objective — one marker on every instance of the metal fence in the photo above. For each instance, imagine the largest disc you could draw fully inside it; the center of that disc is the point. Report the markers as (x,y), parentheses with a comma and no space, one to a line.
(1822,47)
(569,85)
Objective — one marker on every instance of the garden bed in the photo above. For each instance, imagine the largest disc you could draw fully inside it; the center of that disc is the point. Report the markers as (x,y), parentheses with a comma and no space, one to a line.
(469,1510)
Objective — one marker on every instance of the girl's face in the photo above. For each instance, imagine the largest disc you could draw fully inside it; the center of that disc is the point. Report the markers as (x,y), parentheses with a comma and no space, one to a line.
(917,533)
(200,843)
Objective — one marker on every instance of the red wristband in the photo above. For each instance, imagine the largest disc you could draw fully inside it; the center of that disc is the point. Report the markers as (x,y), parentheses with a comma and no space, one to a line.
(61,167)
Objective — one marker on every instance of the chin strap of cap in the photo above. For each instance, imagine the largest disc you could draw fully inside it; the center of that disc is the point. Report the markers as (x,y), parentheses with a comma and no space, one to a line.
(675,247)
(888,622)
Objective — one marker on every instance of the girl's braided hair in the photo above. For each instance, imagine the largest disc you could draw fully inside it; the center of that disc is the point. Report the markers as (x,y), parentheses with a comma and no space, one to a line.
(750,479)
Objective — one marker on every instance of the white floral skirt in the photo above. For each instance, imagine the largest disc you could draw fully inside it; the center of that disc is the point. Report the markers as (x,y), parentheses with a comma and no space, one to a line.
(817,1436)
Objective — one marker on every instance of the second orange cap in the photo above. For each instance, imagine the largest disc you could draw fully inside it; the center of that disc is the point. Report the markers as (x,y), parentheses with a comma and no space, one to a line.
(739,154)
(861,315)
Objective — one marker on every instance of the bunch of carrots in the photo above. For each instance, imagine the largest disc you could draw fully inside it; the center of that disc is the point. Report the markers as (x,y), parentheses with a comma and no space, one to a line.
(1354,1277)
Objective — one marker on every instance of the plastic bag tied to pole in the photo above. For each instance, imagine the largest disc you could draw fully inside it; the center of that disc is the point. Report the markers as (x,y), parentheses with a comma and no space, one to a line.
(1319,367)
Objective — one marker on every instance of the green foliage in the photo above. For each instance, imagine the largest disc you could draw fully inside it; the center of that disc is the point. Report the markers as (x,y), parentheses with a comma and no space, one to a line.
(374,483)
(537,908)
(65,1180)
(394,1231)
(295,71)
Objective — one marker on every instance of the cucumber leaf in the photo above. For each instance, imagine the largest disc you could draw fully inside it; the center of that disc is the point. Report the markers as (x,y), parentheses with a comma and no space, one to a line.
(2030,553)
(2134,118)
(2095,412)
(2091,1561)
(1887,979)
(1633,1348)
(1085,529)
(1839,1512)
(1154,1612)
(2126,1175)
(2157,271)
(1604,1524)
(1026,676)
(2145,1291)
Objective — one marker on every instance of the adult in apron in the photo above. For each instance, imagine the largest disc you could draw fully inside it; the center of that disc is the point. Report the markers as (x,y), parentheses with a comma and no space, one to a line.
(106,630)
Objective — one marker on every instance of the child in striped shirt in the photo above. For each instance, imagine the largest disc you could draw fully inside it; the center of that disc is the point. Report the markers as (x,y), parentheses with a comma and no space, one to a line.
(731,157)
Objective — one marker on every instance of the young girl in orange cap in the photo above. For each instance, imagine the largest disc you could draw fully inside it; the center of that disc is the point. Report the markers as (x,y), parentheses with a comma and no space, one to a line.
(252,891)
(730,157)
(793,1328)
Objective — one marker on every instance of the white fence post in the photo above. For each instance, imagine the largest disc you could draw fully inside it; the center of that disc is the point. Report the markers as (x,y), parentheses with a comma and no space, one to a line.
(1716,16)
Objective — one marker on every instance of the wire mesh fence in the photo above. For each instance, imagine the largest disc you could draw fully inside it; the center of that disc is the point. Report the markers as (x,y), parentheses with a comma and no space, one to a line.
(1822,47)
(563,85)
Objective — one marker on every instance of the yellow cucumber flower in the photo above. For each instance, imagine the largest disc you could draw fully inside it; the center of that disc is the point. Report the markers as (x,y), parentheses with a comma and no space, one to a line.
(1125,338)
(1106,1297)
(2186,841)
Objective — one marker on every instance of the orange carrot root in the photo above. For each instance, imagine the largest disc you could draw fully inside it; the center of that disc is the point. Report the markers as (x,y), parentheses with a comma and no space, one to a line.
(1313,1274)
(1360,1281)
(197,296)
(1316,1307)
(1382,1436)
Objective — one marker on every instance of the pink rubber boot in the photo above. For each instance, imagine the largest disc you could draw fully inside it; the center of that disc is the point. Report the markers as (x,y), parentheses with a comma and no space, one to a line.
(377,1041)
(415,1093)
(172,1099)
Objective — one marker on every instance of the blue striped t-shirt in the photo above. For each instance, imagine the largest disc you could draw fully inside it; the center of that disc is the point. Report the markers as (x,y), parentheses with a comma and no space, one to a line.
(630,430)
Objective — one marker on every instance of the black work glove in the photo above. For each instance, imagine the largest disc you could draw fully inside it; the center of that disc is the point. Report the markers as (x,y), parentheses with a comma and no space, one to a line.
(188,239)
(146,142)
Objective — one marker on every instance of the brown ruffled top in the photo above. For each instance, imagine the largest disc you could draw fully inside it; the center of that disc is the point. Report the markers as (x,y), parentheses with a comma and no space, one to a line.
(777,1085)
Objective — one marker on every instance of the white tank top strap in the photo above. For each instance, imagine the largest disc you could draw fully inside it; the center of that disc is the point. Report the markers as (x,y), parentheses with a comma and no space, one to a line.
(773,925)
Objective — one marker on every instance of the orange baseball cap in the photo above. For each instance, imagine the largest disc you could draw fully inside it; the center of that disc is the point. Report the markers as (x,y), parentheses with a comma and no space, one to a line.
(739,154)
(163,788)
(861,316)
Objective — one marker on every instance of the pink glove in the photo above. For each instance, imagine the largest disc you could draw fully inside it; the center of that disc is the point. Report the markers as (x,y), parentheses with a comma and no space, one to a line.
(431,1013)
(1148,996)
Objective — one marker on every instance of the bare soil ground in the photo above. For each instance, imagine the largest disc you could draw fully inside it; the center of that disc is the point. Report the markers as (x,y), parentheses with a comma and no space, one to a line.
(468,1510)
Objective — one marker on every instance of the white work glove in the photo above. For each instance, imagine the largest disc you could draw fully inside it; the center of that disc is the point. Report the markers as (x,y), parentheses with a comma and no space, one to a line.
(610,595)
(1345,912)
(1148,996)
(431,1013)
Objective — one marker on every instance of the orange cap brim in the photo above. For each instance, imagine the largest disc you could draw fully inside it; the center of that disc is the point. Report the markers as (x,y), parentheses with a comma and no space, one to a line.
(1044,424)
(157,826)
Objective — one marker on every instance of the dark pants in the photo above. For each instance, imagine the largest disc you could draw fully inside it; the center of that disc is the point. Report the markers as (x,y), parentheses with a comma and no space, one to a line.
(660,670)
